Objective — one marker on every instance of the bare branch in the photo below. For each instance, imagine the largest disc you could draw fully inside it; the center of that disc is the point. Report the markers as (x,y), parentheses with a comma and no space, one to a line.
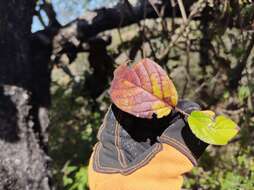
(198,7)
(182,9)
(73,35)
(235,74)
(49,10)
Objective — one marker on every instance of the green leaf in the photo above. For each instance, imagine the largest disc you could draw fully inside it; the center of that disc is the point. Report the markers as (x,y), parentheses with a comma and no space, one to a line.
(218,131)
(243,93)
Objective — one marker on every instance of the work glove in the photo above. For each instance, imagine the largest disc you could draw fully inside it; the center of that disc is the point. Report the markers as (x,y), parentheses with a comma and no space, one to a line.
(144,154)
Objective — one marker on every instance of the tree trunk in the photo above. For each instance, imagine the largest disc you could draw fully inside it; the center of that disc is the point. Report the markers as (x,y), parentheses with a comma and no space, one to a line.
(23,116)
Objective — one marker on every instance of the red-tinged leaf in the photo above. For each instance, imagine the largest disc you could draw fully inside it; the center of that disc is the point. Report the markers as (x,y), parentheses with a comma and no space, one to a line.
(143,90)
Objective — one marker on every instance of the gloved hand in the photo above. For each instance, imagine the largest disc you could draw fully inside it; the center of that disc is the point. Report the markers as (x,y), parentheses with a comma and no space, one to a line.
(144,154)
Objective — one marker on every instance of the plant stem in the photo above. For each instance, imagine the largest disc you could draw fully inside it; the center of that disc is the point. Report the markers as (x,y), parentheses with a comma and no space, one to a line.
(182,112)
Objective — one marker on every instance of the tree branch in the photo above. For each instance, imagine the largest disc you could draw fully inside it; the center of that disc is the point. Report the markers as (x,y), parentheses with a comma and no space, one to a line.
(49,10)
(235,74)
(77,32)
(71,37)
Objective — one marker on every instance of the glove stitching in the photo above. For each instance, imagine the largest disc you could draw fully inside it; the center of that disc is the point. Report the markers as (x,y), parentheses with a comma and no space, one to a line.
(103,169)
(100,131)
(156,149)
(104,124)
(179,146)
(120,154)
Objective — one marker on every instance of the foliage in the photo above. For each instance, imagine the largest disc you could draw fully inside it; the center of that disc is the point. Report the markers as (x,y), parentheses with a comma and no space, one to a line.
(233,170)
(74,125)
(144,89)
(75,178)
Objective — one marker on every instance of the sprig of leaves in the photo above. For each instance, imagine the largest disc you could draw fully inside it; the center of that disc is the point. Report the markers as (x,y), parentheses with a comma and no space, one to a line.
(144,89)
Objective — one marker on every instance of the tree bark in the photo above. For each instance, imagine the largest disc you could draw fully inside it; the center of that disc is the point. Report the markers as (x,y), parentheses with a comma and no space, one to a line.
(23,116)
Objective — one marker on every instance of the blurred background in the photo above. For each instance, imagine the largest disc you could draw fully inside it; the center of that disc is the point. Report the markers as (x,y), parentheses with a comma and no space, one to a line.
(206,47)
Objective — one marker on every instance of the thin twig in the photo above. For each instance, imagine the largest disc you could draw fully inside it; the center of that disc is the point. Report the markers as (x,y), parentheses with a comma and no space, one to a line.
(160,15)
(188,54)
(182,112)
(201,86)
(198,7)
(51,13)
(173,4)
(142,28)
(182,9)
(121,40)
(185,87)
(38,14)
(236,72)
(172,43)
(155,8)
